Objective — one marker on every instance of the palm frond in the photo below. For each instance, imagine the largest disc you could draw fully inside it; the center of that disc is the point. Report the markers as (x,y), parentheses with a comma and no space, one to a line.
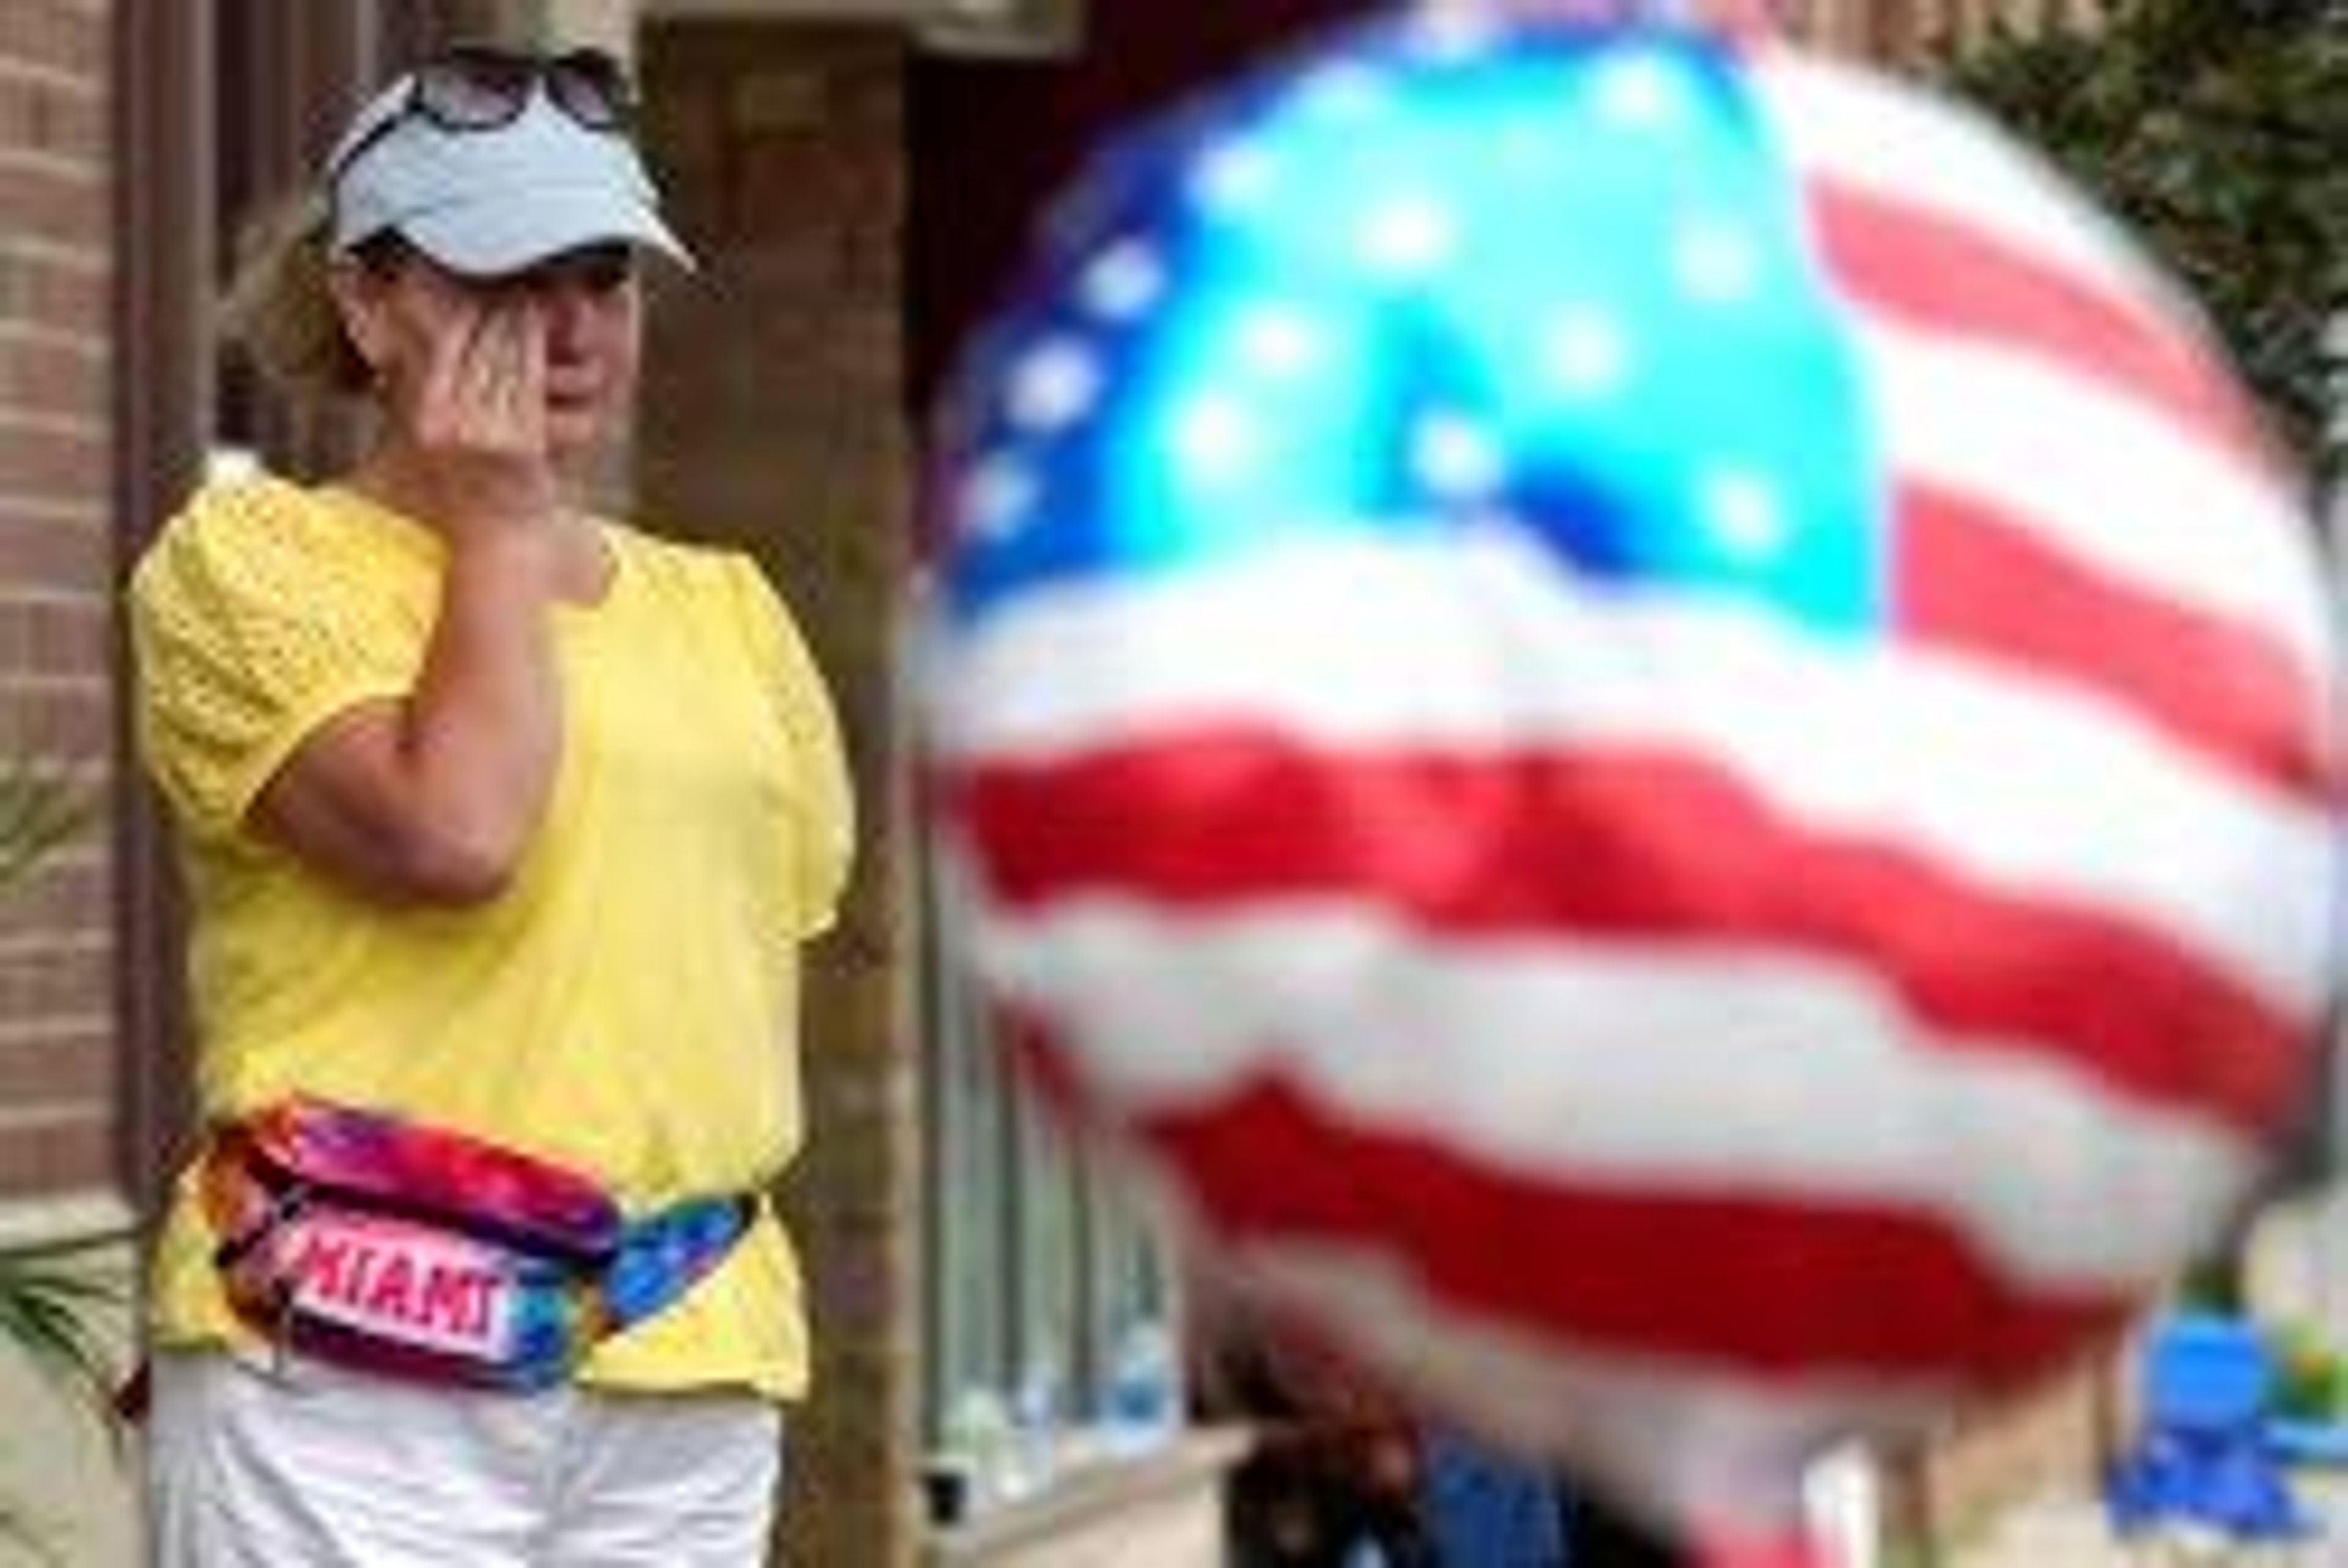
(21,1532)
(40,807)
(51,1299)
(50,1309)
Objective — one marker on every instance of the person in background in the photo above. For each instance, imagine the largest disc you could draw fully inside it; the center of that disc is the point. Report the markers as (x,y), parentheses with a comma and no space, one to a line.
(1345,1475)
(1334,1479)
(1487,1508)
(1600,1537)
(503,824)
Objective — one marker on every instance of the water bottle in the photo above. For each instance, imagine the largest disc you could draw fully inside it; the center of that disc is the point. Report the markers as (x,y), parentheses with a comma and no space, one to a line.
(1145,1397)
(981,1439)
(1035,1429)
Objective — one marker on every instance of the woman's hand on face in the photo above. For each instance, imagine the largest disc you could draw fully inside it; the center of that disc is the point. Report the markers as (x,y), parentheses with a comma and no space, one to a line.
(477,411)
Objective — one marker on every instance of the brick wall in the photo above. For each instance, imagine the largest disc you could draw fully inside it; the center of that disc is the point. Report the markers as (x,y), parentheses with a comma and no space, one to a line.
(57,1066)
(770,419)
(1909,29)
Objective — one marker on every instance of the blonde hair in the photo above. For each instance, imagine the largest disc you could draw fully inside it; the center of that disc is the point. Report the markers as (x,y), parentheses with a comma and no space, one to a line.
(278,310)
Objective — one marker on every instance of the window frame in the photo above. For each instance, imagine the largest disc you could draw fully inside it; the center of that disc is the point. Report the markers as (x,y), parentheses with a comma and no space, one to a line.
(1040,1260)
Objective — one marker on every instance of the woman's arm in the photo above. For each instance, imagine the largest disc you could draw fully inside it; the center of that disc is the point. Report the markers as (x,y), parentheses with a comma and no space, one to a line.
(433,799)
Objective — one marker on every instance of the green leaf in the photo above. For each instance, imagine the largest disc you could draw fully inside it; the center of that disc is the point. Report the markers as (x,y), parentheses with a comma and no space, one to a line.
(40,808)
(51,1299)
(2213,127)
(49,1311)
(16,1529)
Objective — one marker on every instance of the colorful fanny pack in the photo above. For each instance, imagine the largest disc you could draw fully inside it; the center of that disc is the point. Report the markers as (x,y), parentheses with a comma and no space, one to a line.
(375,1242)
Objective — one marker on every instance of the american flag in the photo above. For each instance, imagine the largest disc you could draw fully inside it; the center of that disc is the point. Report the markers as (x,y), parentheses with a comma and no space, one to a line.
(1651,719)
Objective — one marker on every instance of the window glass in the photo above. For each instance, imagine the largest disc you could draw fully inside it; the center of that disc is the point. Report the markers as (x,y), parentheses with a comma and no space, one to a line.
(1045,1275)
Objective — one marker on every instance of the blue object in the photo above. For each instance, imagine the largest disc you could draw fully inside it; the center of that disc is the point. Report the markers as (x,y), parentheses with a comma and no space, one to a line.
(2308,1442)
(1319,308)
(1144,1406)
(2207,1452)
(1489,1512)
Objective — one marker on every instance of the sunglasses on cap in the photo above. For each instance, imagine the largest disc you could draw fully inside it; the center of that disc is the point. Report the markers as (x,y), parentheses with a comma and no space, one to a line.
(483,88)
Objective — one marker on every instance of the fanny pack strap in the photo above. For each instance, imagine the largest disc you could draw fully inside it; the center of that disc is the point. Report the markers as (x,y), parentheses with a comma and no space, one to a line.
(662,1256)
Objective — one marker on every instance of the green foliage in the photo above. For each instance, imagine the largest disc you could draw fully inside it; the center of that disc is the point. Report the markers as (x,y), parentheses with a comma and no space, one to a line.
(50,1297)
(40,809)
(2218,130)
(2311,1378)
(2212,1284)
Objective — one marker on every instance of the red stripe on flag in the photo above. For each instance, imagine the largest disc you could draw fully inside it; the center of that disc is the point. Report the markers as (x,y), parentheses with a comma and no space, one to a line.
(1772,1283)
(1967,578)
(1622,845)
(1939,272)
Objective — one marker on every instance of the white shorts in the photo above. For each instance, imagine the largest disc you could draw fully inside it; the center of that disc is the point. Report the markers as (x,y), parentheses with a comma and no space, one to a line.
(320,1468)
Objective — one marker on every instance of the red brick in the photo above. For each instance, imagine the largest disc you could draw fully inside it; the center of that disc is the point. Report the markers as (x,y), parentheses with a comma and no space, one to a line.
(72,1066)
(50,554)
(71,1148)
(46,462)
(56,377)
(66,719)
(55,634)
(71,893)
(47,983)
(47,116)
(51,291)
(63,37)
(50,200)
(58,1061)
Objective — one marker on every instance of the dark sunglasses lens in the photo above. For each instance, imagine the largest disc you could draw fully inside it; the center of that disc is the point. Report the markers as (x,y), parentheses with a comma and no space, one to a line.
(474,89)
(606,269)
(590,86)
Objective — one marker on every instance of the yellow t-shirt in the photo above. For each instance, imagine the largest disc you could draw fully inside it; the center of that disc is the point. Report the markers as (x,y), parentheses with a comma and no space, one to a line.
(628,1006)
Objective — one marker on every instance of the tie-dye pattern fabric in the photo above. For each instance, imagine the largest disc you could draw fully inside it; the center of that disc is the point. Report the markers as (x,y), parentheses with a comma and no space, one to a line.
(419,1252)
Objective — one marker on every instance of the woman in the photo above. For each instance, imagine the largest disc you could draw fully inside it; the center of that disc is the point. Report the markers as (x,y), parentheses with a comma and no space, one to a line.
(501,823)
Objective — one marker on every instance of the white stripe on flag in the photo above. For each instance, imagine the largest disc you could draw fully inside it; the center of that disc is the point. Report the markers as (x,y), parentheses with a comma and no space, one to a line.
(1482,644)
(2136,498)
(1899,141)
(1683,1067)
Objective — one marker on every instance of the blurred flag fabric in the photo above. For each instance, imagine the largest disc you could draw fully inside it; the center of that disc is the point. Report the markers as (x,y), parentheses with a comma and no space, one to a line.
(1650,715)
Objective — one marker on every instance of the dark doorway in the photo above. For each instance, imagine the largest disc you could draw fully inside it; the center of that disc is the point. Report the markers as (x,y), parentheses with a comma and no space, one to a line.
(992,139)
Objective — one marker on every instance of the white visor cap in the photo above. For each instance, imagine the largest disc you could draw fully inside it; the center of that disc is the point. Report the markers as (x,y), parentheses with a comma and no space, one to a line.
(495,201)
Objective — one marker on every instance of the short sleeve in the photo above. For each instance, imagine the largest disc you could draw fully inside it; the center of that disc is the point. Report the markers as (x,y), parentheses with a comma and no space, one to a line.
(256,615)
(821,792)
